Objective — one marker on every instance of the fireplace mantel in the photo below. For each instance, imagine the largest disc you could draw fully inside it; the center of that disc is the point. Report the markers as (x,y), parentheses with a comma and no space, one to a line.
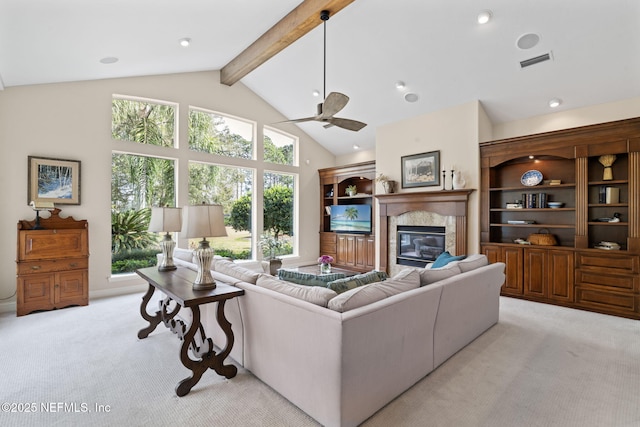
(445,202)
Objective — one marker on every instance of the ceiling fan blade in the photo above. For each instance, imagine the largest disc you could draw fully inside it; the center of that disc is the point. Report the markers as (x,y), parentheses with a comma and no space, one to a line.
(305,119)
(335,102)
(348,124)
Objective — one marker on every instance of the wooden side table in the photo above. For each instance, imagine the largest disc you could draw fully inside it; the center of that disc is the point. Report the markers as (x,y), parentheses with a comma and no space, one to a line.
(177,285)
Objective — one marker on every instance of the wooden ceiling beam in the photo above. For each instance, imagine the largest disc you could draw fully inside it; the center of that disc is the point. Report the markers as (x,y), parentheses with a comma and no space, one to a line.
(297,23)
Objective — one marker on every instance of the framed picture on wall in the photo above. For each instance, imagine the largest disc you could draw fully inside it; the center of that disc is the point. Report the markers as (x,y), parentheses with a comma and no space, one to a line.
(421,170)
(53,180)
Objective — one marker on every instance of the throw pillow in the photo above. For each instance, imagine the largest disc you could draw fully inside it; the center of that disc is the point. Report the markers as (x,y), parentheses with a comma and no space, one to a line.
(308,279)
(314,294)
(343,285)
(445,258)
(236,271)
(472,262)
(367,294)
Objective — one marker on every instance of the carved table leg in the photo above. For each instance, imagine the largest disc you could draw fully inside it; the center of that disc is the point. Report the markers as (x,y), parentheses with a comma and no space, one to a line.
(229,371)
(153,320)
(197,367)
(202,347)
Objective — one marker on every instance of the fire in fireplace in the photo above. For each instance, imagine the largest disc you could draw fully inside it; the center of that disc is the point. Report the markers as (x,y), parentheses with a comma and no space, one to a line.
(419,245)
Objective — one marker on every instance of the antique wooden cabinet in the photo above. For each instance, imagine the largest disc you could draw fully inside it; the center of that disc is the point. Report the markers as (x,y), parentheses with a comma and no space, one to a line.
(593,263)
(52,264)
(350,250)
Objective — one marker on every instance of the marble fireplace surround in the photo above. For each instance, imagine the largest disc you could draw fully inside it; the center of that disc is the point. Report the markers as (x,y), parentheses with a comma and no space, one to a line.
(449,207)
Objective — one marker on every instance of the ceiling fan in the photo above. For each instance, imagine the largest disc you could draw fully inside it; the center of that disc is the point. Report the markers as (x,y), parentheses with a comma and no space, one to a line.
(334,102)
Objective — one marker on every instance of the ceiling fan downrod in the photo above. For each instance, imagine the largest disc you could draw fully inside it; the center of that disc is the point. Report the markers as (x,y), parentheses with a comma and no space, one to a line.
(324,16)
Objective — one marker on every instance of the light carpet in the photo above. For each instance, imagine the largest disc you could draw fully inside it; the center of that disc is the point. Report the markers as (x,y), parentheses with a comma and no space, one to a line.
(541,365)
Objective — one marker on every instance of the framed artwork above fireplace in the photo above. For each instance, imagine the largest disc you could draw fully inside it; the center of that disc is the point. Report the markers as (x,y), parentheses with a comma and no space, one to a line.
(421,170)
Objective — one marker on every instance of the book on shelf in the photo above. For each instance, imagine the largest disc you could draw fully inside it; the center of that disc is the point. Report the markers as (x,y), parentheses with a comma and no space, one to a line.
(612,195)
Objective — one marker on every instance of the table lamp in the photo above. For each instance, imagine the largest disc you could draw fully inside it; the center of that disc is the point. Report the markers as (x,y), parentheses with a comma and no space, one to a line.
(203,221)
(166,220)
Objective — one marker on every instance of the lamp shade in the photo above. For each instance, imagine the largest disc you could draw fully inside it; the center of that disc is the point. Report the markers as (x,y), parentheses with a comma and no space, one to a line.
(203,221)
(165,220)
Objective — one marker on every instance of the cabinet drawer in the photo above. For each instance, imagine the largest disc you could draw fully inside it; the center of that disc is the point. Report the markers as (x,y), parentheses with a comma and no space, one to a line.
(622,264)
(619,282)
(607,300)
(32,267)
(328,238)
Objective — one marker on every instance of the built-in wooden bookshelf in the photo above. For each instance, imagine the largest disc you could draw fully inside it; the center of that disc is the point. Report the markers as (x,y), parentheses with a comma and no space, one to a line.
(579,270)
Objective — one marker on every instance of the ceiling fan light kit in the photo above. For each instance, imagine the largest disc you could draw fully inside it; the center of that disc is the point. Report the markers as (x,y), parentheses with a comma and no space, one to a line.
(334,102)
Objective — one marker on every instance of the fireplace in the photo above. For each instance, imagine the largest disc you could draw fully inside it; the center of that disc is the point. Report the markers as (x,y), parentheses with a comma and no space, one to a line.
(444,208)
(419,245)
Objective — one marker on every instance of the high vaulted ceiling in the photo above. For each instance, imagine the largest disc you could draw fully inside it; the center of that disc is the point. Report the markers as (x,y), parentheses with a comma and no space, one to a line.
(435,46)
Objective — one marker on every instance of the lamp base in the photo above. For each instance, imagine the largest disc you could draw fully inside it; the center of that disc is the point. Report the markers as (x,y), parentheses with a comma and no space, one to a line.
(203,256)
(167,246)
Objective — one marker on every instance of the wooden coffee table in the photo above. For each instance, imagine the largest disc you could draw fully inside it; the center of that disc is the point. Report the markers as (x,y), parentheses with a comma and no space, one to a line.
(178,286)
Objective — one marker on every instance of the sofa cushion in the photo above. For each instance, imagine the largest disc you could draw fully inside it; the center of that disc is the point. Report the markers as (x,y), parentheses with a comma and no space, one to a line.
(367,294)
(432,275)
(314,294)
(235,270)
(445,258)
(183,254)
(343,285)
(472,262)
(308,279)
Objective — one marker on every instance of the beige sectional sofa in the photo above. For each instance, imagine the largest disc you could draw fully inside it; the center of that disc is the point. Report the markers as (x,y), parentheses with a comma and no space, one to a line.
(342,367)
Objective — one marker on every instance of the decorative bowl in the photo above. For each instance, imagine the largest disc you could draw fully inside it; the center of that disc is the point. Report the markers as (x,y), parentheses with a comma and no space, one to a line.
(555,205)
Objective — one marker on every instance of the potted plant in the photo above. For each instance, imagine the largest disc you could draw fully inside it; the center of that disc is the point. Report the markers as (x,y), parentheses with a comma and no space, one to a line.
(388,185)
(270,245)
(351,190)
(325,264)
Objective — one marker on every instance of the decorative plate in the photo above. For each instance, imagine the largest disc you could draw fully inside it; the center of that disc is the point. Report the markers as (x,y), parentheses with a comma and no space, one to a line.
(531,178)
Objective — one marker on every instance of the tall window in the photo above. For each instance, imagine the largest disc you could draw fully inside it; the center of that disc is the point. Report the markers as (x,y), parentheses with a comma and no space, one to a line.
(230,187)
(144,122)
(222,168)
(278,215)
(214,133)
(279,147)
(139,182)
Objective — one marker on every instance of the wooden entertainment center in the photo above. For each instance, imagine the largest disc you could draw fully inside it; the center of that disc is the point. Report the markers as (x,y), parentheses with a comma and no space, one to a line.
(584,268)
(355,251)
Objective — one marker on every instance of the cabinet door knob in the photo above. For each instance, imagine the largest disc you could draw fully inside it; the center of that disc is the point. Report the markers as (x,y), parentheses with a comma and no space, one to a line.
(35,267)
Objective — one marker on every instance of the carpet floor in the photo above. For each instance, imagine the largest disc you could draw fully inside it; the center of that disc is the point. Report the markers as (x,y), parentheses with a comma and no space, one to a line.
(541,365)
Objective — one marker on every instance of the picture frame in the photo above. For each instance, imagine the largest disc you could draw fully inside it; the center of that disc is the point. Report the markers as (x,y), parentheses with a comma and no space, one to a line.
(421,170)
(53,180)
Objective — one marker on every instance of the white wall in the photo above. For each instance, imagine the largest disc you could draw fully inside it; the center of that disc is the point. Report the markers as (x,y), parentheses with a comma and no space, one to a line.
(356,157)
(618,110)
(455,133)
(73,121)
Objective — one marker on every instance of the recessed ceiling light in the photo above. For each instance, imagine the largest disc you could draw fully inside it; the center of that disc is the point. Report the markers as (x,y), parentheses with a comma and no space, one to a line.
(484,16)
(109,60)
(185,42)
(316,93)
(411,97)
(555,102)
(356,146)
(400,85)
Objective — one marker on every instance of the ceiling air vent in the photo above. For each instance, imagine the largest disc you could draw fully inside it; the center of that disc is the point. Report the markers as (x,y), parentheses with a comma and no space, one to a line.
(536,60)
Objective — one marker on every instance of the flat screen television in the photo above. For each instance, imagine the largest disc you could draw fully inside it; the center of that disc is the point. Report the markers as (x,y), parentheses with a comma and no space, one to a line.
(351,219)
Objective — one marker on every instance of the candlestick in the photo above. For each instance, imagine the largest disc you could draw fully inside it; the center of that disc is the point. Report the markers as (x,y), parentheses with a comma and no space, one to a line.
(444,178)
(452,179)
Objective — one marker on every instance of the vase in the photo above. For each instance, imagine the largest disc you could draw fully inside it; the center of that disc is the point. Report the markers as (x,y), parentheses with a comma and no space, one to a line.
(274,266)
(458,181)
(325,268)
(389,186)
